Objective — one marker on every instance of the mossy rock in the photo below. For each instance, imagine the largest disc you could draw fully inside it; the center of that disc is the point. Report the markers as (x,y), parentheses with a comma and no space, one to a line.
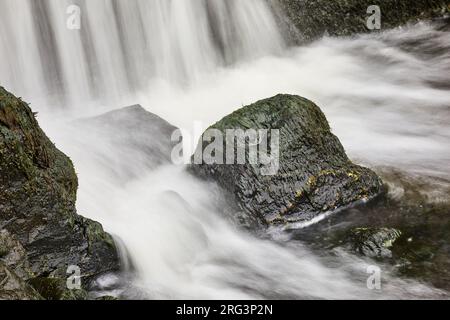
(315,175)
(38,188)
(56,289)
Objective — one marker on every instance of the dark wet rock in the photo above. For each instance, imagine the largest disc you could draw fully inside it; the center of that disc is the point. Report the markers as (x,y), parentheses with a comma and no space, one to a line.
(38,188)
(140,140)
(311,19)
(374,242)
(56,289)
(315,175)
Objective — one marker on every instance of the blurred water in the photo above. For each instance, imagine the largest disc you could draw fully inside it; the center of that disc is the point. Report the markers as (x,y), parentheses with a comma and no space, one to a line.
(124,45)
(386,95)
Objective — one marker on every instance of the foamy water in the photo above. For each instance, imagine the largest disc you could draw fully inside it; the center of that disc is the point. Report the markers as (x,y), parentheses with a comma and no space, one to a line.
(385,98)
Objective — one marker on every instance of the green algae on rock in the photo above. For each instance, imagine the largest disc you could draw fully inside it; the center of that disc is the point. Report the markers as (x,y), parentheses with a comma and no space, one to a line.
(315,175)
(38,188)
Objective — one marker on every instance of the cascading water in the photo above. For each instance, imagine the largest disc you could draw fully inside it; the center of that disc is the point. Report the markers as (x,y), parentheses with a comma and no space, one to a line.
(199,60)
(122,46)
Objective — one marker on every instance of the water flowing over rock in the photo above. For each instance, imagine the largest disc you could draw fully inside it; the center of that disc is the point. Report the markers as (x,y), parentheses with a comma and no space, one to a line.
(38,188)
(123,45)
(315,175)
(140,140)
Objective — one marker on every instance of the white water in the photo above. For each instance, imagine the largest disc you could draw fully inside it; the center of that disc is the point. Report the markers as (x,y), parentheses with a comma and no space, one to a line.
(186,61)
(124,45)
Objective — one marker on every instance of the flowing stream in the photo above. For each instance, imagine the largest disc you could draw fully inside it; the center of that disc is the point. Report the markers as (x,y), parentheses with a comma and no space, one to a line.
(387,97)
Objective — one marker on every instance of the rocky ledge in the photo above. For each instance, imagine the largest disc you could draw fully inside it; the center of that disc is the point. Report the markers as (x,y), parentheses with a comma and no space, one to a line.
(315,176)
(41,232)
(306,20)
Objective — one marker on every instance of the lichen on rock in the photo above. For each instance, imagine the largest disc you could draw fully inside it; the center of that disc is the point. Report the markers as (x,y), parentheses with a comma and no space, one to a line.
(315,175)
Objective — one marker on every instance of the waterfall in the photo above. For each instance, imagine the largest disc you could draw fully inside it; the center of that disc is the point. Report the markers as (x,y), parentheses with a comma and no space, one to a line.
(121,46)
(199,60)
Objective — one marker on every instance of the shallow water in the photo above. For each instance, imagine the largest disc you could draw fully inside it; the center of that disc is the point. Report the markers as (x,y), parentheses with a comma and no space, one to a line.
(387,98)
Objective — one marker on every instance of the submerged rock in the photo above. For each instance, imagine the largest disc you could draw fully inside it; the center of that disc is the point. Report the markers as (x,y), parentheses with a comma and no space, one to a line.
(374,242)
(138,139)
(315,175)
(12,287)
(56,289)
(38,188)
(311,19)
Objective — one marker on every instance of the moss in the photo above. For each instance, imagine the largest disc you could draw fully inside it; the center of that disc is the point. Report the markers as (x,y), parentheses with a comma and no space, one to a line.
(95,233)
(56,289)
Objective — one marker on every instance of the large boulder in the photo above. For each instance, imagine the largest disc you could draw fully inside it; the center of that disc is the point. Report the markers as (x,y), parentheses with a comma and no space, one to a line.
(38,187)
(315,175)
(306,20)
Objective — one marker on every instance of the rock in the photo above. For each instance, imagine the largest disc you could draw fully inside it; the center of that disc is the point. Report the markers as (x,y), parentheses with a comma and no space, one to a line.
(139,140)
(12,287)
(13,255)
(56,289)
(315,175)
(374,242)
(107,298)
(38,188)
(311,19)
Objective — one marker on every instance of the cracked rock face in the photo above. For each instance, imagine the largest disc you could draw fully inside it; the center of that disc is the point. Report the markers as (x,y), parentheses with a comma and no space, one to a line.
(315,175)
(38,188)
